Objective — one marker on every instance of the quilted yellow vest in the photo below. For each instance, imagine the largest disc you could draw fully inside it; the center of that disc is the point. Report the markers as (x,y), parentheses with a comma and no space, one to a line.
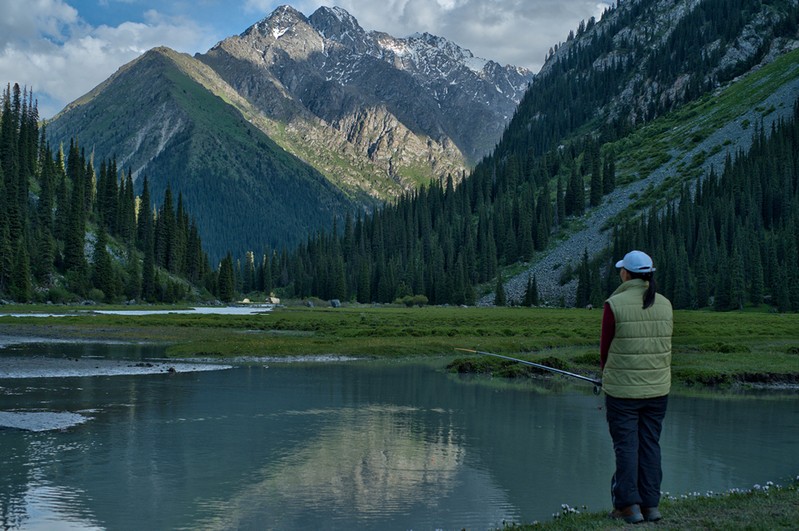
(639,360)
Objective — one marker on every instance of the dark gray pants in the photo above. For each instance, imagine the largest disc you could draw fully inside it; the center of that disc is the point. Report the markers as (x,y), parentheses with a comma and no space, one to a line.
(635,426)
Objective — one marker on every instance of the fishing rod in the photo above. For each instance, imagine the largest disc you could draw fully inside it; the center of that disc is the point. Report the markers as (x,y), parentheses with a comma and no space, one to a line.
(597,383)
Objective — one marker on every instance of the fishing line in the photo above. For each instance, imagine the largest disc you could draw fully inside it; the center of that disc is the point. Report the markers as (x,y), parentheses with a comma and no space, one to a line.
(597,383)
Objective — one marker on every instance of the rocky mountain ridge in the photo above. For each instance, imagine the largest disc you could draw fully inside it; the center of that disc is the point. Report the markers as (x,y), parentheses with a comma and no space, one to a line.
(327,69)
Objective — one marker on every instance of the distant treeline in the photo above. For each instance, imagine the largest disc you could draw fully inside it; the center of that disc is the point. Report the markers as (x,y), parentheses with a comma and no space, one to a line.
(68,232)
(441,241)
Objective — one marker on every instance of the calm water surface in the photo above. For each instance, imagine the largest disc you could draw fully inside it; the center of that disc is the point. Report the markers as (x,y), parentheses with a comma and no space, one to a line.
(347,445)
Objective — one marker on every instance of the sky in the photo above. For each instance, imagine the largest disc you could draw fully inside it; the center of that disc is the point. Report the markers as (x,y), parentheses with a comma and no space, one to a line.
(61,49)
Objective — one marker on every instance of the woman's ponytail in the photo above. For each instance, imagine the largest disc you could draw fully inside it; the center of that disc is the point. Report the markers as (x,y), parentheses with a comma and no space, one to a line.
(649,294)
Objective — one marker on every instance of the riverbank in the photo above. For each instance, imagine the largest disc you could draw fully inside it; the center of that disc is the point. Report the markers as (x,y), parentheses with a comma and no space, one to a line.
(710,349)
(762,507)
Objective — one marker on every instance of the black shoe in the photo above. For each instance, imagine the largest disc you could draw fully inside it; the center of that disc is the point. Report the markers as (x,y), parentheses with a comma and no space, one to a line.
(631,514)
(651,514)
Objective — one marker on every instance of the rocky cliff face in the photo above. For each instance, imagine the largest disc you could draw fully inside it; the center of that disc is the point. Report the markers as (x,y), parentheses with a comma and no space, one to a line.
(413,108)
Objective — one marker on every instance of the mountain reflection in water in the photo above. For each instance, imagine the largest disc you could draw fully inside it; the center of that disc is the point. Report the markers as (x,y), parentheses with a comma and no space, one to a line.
(368,461)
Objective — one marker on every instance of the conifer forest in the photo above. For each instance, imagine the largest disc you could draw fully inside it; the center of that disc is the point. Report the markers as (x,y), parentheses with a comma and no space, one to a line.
(70,231)
(73,228)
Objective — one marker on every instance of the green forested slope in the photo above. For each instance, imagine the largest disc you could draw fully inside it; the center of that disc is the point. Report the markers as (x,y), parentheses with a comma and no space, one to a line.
(246,191)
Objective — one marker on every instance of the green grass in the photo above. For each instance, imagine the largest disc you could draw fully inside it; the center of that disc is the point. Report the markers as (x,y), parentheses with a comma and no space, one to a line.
(766,507)
(709,348)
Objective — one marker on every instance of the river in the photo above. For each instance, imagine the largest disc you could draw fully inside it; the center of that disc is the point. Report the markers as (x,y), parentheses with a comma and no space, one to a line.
(340,444)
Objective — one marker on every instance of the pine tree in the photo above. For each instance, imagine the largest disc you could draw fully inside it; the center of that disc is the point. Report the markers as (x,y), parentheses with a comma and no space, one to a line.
(596,179)
(227,281)
(249,272)
(126,217)
(6,250)
(500,297)
(180,243)
(75,230)
(62,207)
(583,282)
(736,281)
(531,293)
(103,271)
(10,163)
(596,297)
(145,217)
(682,286)
(757,286)
(364,293)
(339,287)
(702,283)
(148,280)
(45,255)
(133,285)
(560,202)
(575,194)
(165,232)
(21,278)
(266,275)
(609,173)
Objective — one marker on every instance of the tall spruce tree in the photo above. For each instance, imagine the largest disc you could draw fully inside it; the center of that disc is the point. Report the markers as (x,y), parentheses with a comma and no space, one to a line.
(531,292)
(583,282)
(227,281)
(609,173)
(21,274)
(596,177)
(103,270)
(133,283)
(500,297)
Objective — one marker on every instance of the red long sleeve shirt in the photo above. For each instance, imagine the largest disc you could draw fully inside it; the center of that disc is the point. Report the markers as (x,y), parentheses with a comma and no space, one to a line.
(607,335)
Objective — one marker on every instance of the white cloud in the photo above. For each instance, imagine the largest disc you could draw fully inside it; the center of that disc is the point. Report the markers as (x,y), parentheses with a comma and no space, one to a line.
(28,21)
(48,48)
(518,32)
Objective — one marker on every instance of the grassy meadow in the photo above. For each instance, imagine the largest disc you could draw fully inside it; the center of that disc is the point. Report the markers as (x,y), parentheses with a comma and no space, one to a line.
(763,507)
(710,348)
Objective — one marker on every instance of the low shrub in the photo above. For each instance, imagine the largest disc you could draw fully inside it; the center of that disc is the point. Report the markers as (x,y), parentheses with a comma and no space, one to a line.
(723,348)
(61,295)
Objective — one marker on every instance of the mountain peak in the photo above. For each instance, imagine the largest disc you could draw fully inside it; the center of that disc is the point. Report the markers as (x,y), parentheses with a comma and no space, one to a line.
(336,23)
(277,23)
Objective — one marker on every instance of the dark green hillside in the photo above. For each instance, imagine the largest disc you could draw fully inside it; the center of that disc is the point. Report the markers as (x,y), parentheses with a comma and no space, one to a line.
(247,192)
(657,60)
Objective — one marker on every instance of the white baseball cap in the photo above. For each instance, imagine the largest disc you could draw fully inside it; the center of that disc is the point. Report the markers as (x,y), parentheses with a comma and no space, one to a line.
(636,262)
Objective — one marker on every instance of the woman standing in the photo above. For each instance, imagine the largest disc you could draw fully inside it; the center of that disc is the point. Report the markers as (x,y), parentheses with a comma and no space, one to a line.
(635,358)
